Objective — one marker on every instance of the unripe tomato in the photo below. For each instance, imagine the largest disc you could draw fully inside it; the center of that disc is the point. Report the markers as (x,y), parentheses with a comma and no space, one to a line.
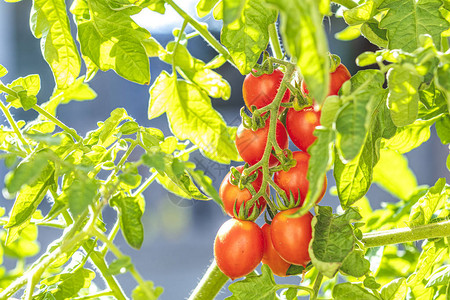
(260,91)
(230,193)
(337,79)
(251,144)
(238,247)
(291,236)
(271,257)
(300,126)
(295,180)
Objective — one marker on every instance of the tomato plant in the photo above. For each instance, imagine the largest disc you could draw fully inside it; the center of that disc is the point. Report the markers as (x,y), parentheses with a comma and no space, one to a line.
(251,144)
(238,247)
(395,100)
(232,196)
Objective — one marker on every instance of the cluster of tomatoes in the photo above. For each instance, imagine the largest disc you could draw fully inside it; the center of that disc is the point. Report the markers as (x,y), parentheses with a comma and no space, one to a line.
(240,245)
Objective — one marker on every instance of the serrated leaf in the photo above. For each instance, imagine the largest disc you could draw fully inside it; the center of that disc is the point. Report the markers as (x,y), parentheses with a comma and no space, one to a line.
(255,287)
(121,49)
(355,264)
(147,292)
(427,259)
(356,117)
(403,96)
(394,290)
(26,88)
(247,36)
(433,200)
(332,239)
(49,22)
(393,174)
(348,291)
(407,20)
(204,7)
(192,117)
(131,210)
(80,194)
(69,284)
(305,41)
(441,276)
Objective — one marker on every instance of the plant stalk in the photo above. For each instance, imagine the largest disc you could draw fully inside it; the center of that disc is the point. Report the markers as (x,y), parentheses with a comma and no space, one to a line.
(16,129)
(210,285)
(274,41)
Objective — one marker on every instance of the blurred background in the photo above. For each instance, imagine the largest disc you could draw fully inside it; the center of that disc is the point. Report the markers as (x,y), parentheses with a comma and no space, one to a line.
(179,233)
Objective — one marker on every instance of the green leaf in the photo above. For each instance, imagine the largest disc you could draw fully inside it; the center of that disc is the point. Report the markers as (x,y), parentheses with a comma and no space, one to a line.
(410,137)
(349,33)
(147,292)
(153,47)
(394,175)
(305,41)
(372,31)
(403,97)
(441,276)
(255,287)
(49,22)
(120,266)
(195,70)
(26,88)
(3,71)
(443,128)
(120,49)
(348,291)
(80,194)
(192,117)
(430,255)
(131,210)
(232,10)
(361,13)
(205,184)
(357,115)
(21,241)
(332,239)
(394,290)
(248,35)
(158,6)
(355,264)
(433,200)
(407,20)
(204,7)
(69,284)
(105,135)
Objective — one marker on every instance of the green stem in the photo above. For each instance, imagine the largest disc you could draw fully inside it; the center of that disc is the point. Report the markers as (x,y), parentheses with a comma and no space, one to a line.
(298,287)
(346,3)
(13,124)
(404,235)
(183,27)
(275,41)
(144,185)
(317,284)
(96,295)
(111,236)
(203,31)
(60,124)
(210,285)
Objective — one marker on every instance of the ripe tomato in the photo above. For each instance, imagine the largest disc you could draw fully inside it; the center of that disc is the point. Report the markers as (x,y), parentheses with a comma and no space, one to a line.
(291,236)
(238,247)
(271,257)
(231,193)
(337,78)
(300,126)
(295,180)
(251,144)
(260,91)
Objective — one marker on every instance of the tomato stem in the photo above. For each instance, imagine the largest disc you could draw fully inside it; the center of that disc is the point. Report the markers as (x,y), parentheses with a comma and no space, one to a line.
(210,285)
(404,235)
(275,41)
(317,284)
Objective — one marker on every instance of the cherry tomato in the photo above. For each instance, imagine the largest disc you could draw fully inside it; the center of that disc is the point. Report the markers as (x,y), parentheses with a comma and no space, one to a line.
(337,78)
(251,144)
(300,126)
(238,247)
(271,257)
(230,193)
(260,91)
(295,180)
(291,236)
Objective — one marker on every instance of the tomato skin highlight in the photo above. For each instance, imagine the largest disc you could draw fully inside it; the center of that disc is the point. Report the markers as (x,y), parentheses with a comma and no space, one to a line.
(271,257)
(230,193)
(260,91)
(301,124)
(337,79)
(295,180)
(291,236)
(251,144)
(238,247)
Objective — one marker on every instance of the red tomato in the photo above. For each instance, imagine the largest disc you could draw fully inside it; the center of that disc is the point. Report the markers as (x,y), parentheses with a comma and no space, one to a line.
(251,144)
(337,78)
(271,257)
(291,236)
(295,180)
(260,91)
(300,126)
(238,248)
(231,193)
